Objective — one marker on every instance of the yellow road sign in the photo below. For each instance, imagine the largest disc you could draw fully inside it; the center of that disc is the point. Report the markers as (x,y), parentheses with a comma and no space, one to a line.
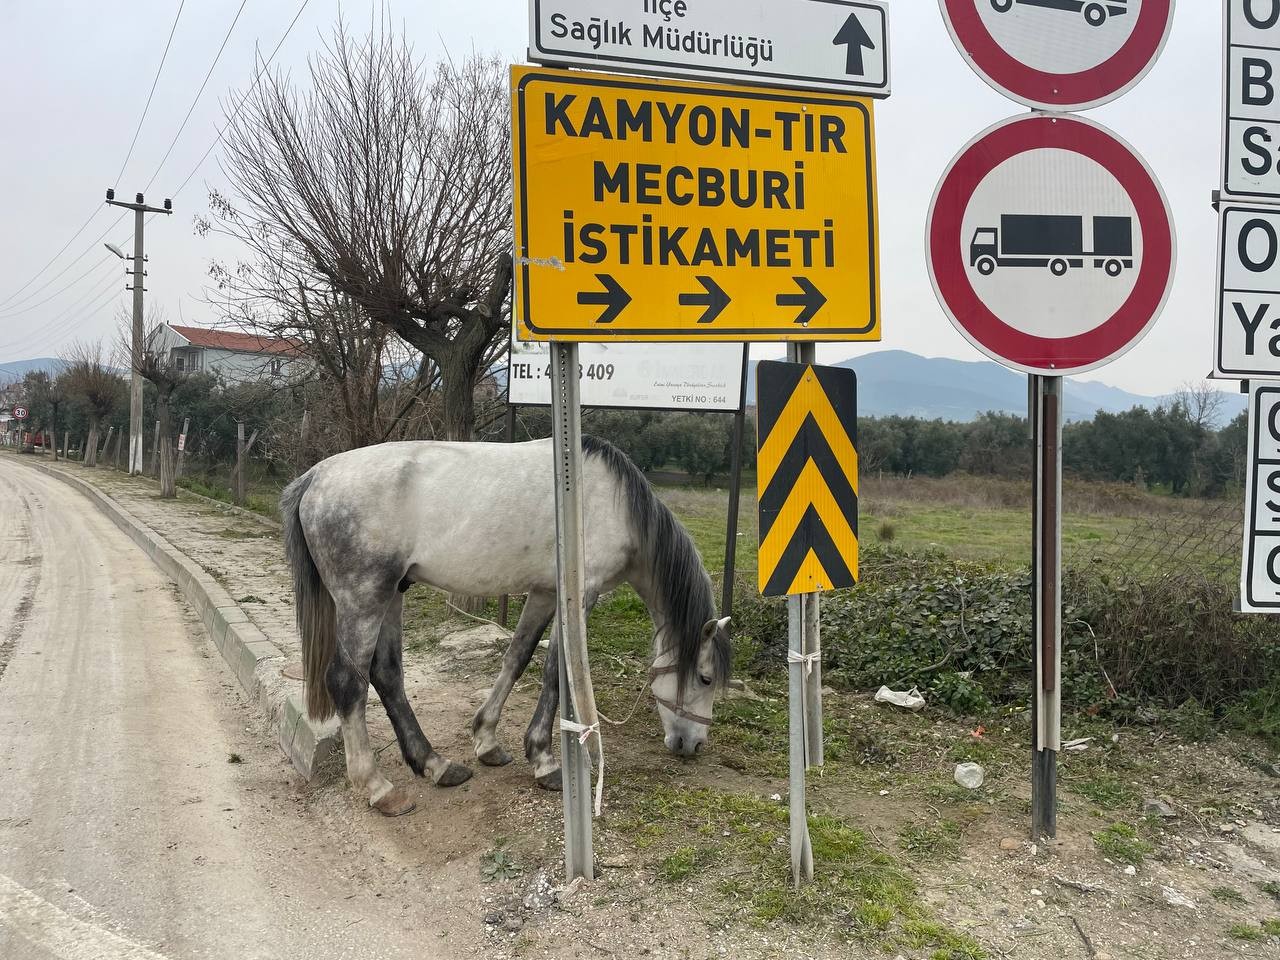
(807,478)
(660,210)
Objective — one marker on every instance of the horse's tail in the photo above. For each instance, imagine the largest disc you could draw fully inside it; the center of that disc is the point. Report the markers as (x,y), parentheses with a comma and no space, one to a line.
(313,604)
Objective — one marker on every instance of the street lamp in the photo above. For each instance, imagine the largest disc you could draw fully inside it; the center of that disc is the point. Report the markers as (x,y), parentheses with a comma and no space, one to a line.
(116,250)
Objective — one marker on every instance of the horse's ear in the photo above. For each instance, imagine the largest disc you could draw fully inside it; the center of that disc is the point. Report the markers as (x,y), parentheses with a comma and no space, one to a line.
(709,629)
(723,623)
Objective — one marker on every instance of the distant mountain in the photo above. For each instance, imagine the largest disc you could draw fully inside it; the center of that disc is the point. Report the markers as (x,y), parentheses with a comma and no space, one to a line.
(895,382)
(17,369)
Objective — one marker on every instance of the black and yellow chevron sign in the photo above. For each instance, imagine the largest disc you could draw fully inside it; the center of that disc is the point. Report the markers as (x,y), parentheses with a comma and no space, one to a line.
(807,478)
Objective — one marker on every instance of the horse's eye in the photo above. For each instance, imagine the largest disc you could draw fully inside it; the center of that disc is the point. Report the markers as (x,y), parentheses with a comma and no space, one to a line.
(705,680)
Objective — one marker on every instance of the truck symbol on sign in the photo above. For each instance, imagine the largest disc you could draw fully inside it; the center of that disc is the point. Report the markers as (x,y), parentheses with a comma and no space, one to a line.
(1095,13)
(1035,240)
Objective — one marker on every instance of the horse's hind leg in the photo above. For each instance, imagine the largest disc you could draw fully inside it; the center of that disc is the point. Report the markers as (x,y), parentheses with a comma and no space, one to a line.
(347,680)
(537,739)
(539,608)
(388,679)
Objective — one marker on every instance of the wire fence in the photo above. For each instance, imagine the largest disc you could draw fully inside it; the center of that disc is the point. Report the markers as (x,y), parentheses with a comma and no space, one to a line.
(1201,537)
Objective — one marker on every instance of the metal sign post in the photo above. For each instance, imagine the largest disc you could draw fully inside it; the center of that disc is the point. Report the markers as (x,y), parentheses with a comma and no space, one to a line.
(735,489)
(808,523)
(1085,221)
(577,701)
(1046,419)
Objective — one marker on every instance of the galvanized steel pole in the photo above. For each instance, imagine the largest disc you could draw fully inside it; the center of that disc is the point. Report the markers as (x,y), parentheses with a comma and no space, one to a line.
(577,701)
(1046,729)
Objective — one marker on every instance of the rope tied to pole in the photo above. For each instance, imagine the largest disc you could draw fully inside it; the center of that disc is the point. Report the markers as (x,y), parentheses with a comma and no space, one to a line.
(585,732)
(810,660)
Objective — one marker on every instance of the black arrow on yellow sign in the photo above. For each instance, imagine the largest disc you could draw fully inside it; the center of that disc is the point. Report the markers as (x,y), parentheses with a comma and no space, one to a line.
(714,299)
(807,478)
(811,298)
(615,298)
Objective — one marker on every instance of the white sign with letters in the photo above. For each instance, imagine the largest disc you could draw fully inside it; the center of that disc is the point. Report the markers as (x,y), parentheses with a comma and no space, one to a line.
(638,376)
(1251,152)
(1247,342)
(839,45)
(1260,573)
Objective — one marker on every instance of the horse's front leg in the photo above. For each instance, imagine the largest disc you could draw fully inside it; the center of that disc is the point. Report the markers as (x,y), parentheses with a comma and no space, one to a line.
(539,608)
(537,739)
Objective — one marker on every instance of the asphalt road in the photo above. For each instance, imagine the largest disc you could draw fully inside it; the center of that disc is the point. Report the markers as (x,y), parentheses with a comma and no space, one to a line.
(143,815)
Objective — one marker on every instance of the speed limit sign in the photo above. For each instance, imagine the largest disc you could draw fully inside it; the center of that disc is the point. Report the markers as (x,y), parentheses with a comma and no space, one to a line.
(19,413)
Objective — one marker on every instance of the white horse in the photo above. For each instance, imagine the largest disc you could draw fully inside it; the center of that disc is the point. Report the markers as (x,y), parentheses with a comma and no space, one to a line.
(479,519)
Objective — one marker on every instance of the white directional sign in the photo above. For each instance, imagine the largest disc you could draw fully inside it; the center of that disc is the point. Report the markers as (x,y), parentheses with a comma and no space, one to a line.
(636,376)
(840,45)
(1247,343)
(1251,151)
(1260,572)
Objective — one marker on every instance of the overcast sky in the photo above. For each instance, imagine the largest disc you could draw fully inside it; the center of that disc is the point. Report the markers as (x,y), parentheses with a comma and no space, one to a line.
(74,76)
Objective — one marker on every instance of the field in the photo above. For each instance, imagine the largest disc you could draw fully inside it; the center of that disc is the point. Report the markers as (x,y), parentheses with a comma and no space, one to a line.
(909,863)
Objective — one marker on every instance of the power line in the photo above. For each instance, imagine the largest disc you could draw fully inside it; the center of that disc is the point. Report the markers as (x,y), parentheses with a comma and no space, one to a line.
(51,336)
(97,209)
(182,126)
(52,325)
(236,111)
(56,293)
(147,107)
(34,276)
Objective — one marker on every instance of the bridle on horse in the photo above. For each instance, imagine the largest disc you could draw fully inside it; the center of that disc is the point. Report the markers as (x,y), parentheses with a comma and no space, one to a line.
(676,708)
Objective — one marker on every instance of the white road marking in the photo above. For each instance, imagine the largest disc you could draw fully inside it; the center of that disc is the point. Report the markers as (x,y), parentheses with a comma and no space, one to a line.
(61,934)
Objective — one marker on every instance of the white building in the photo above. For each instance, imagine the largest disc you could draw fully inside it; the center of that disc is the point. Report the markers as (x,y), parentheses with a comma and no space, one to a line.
(234,357)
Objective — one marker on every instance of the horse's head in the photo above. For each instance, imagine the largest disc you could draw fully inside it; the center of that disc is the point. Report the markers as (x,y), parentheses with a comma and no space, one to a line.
(685,695)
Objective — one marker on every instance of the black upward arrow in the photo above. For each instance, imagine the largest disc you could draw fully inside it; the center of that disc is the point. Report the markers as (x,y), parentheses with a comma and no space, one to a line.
(811,299)
(615,299)
(715,300)
(854,35)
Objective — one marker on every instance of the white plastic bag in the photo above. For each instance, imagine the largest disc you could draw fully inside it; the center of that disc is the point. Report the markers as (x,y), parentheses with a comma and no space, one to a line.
(911,699)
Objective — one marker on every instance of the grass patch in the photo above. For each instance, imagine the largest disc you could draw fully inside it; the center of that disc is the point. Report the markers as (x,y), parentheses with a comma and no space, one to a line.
(858,889)
(1120,842)
(1271,927)
(1243,931)
(932,842)
(1272,889)
(680,864)
(1227,895)
(1107,791)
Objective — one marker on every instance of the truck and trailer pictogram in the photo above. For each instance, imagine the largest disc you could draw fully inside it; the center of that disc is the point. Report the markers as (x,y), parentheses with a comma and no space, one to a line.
(1095,13)
(1056,242)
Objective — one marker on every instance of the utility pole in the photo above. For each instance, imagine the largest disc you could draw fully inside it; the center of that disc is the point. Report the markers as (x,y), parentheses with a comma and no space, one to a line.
(139,208)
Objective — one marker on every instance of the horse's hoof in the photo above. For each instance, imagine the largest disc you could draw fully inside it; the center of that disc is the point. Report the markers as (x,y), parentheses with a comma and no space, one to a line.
(550,781)
(495,756)
(395,803)
(454,774)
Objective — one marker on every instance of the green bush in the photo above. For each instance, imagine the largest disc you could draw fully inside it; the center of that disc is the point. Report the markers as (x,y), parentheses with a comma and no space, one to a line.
(961,632)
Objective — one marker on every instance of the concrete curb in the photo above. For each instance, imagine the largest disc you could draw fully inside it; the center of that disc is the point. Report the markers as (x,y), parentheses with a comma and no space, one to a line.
(254,659)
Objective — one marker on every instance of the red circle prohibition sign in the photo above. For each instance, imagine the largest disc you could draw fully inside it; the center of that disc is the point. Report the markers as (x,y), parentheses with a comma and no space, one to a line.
(948,266)
(1061,91)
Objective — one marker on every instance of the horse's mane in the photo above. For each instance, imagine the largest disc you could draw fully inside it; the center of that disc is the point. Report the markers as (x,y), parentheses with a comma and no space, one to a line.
(679,580)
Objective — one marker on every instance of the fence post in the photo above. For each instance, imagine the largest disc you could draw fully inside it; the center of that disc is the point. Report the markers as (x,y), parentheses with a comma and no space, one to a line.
(182,448)
(155,453)
(115,455)
(102,454)
(66,444)
(237,486)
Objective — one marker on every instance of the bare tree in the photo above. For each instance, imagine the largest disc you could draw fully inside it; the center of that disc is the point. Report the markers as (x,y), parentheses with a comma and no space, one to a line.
(88,378)
(385,188)
(1202,401)
(155,365)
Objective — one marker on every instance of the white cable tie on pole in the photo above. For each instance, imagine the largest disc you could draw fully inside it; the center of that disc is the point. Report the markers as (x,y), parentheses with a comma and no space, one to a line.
(585,732)
(810,660)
